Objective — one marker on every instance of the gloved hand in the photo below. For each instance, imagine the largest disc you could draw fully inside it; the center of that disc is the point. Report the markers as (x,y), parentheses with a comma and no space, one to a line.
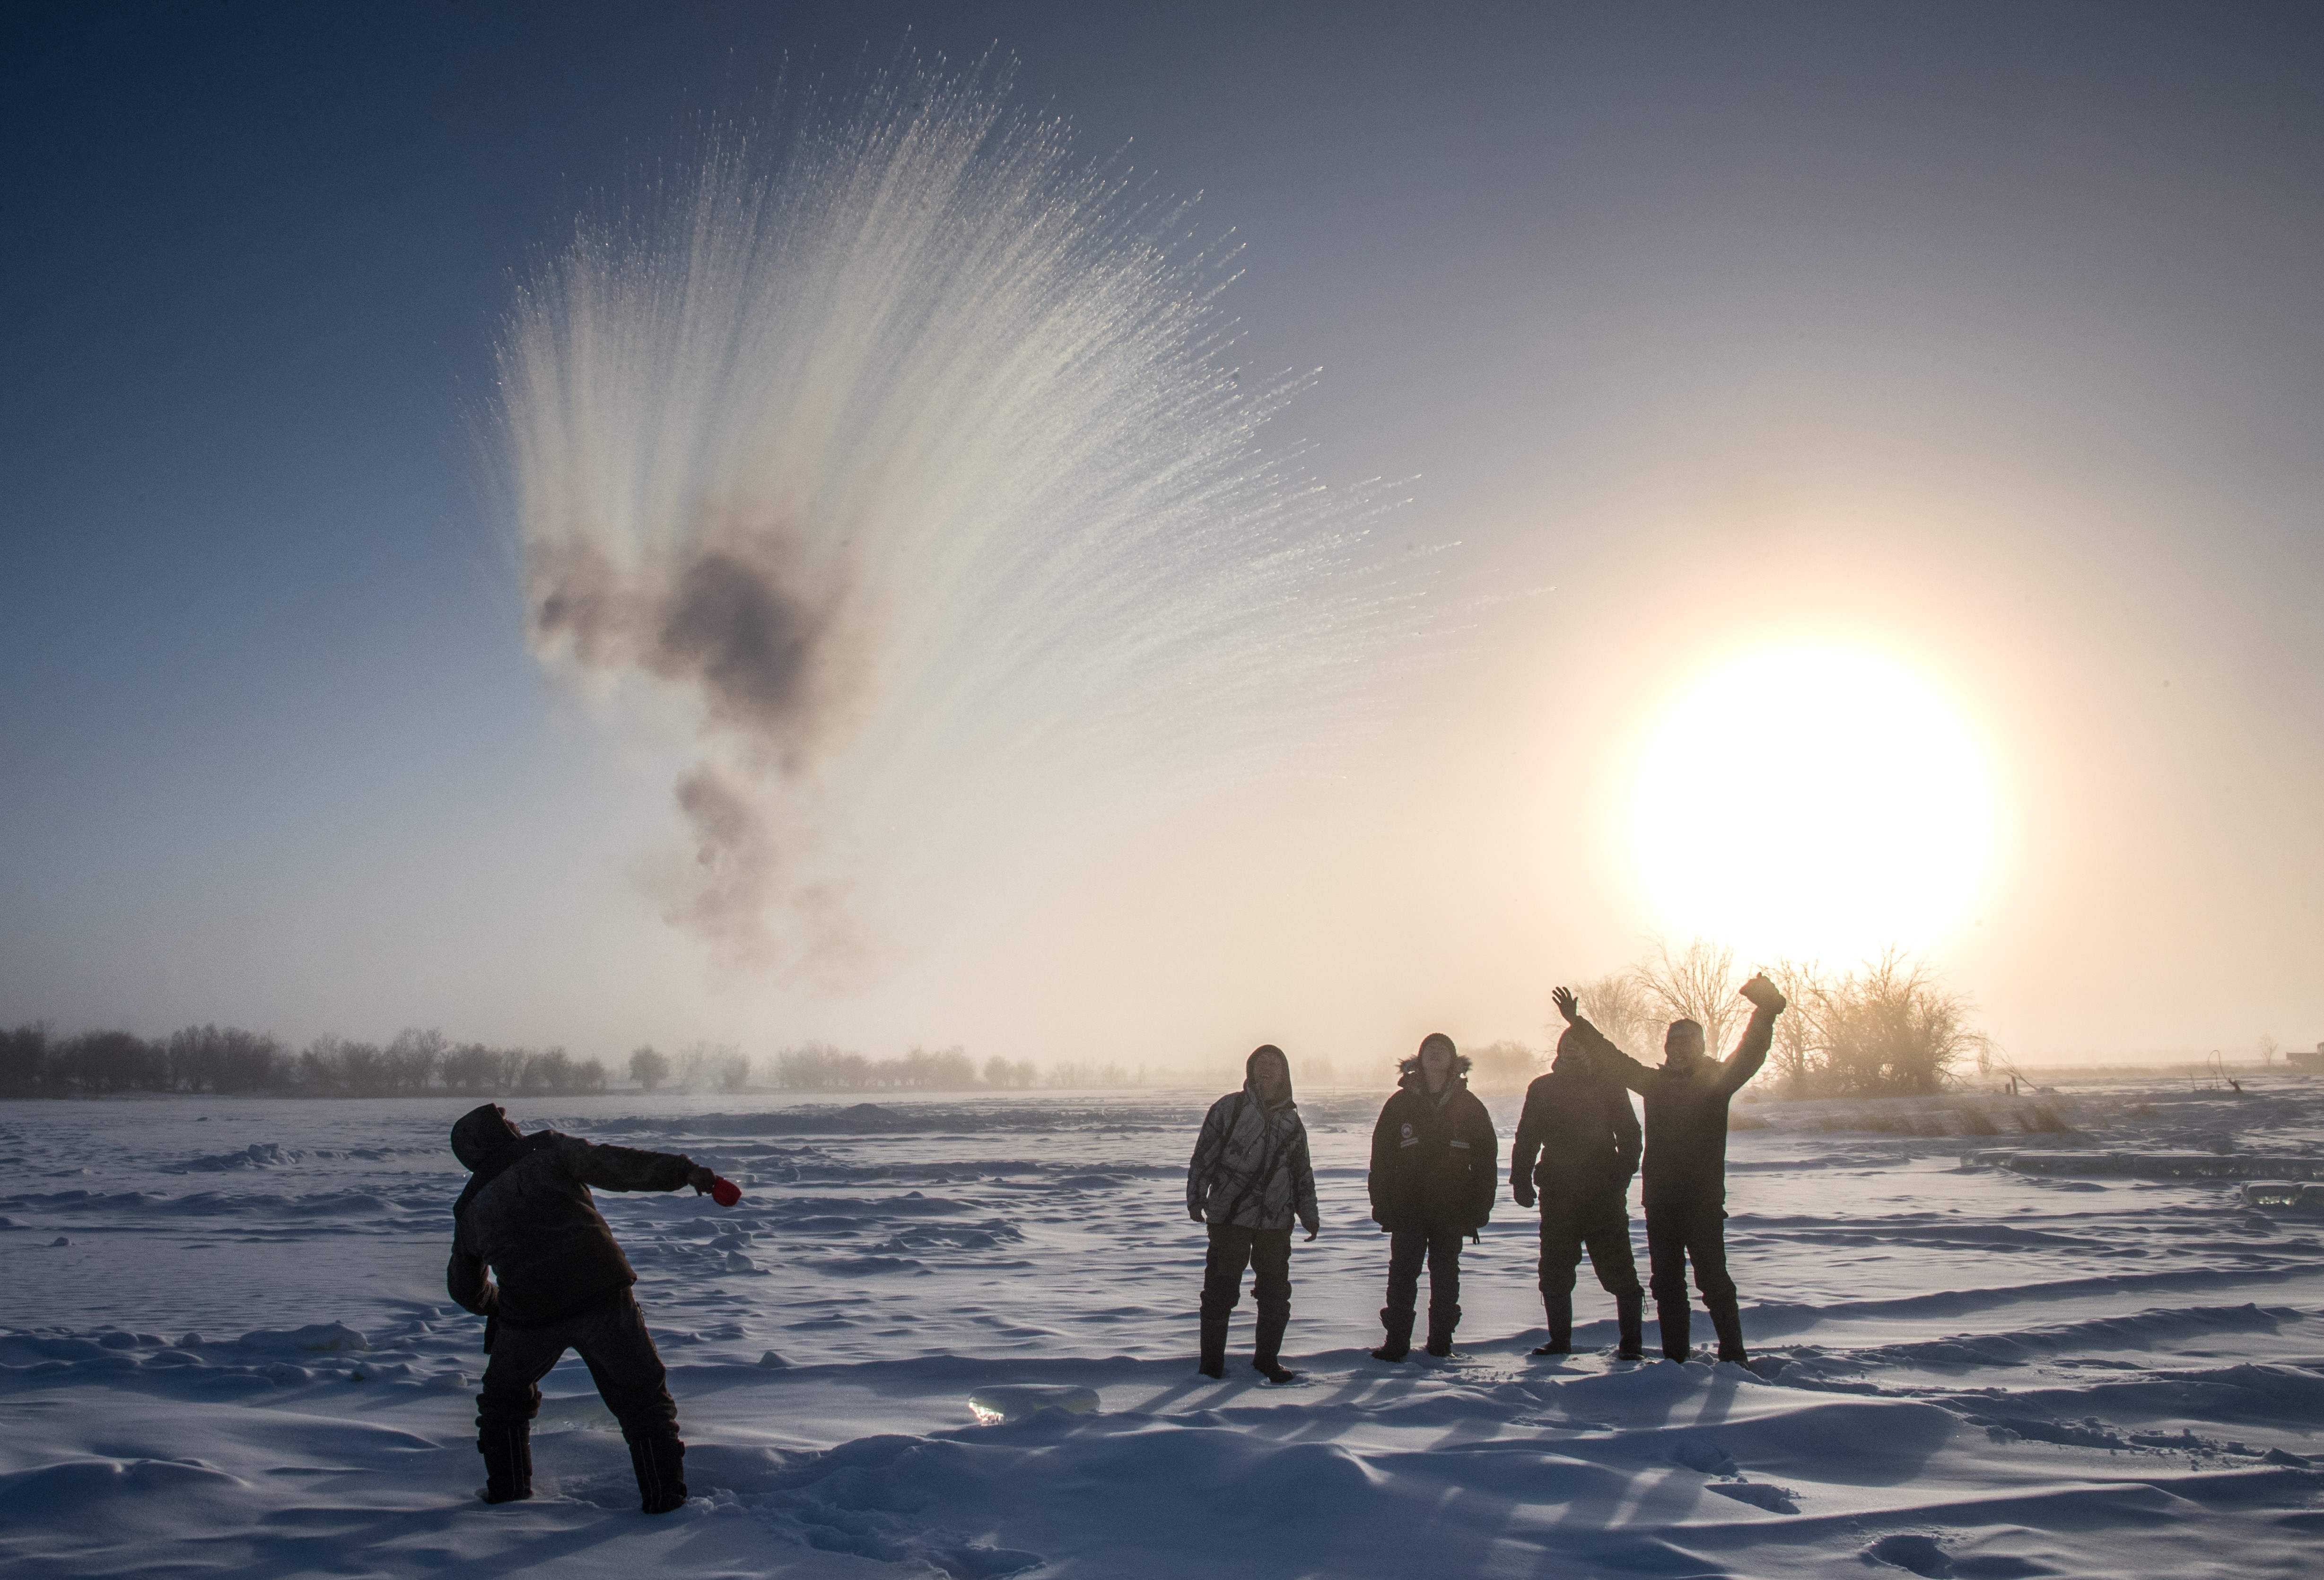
(1195,1212)
(1522,1192)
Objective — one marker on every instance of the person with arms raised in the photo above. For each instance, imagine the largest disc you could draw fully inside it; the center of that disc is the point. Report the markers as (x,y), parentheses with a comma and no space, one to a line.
(1686,1158)
(1249,1177)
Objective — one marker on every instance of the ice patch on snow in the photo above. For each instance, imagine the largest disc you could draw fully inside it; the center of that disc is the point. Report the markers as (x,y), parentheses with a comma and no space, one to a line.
(1022,1400)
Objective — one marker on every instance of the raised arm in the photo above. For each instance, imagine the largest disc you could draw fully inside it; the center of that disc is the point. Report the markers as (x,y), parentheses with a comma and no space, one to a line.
(1604,1057)
(628,1168)
(1751,1048)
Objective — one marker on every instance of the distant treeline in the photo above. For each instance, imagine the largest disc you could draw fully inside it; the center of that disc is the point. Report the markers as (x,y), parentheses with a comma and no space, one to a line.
(228,1059)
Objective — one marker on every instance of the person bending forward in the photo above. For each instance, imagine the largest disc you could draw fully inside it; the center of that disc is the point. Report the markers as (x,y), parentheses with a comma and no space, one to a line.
(1686,1160)
(1435,1169)
(1249,1177)
(1578,1120)
(564,1284)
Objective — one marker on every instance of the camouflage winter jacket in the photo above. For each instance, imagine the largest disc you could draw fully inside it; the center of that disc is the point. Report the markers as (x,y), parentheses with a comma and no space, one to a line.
(1240,1138)
(532,1222)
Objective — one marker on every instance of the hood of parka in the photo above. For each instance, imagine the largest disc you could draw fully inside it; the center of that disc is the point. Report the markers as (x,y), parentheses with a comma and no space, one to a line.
(1250,1071)
(480,1132)
(1410,1067)
(1415,1079)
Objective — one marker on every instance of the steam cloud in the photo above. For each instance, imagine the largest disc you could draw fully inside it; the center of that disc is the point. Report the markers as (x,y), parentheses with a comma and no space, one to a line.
(899,451)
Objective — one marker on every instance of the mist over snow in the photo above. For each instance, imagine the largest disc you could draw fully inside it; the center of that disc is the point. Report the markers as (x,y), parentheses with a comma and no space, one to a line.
(957,1338)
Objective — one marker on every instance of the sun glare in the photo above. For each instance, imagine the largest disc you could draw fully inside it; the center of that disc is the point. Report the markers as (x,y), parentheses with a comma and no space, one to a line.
(1813,803)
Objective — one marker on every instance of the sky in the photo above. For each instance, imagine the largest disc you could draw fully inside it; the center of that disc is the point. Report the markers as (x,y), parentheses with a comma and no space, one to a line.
(1982,339)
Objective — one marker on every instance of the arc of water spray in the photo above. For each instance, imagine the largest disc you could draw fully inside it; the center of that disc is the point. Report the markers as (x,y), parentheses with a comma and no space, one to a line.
(898,448)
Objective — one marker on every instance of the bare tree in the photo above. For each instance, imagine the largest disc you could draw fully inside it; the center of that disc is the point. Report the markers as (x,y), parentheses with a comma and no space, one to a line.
(1697,984)
(648,1069)
(2268,1049)
(1892,1027)
(1624,1010)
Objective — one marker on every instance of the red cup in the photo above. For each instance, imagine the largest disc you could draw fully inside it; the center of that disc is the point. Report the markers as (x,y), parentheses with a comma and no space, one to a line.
(725,1192)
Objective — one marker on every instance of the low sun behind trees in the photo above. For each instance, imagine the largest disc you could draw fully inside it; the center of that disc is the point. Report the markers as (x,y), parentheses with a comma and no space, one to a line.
(1888,1027)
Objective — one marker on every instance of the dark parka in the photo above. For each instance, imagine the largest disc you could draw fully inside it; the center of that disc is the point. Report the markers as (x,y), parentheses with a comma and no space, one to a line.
(1435,1159)
(528,1216)
(1577,1141)
(1686,1104)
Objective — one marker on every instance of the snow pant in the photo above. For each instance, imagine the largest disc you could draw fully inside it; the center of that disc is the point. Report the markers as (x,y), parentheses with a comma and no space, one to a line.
(1601,1224)
(1266,1251)
(1440,1247)
(613,1341)
(1685,1231)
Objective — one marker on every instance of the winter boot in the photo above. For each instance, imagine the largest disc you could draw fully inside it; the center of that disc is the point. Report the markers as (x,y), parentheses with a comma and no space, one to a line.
(1268,1345)
(507,1448)
(1559,1311)
(1627,1310)
(1729,1323)
(1214,1362)
(660,1463)
(1440,1330)
(1675,1318)
(1399,1335)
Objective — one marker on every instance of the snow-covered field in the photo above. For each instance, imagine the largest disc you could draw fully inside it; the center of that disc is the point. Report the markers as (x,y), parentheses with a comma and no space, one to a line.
(225,1348)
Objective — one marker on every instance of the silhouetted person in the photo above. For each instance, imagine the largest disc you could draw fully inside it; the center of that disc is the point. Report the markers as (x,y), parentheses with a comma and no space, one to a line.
(1435,1168)
(1249,1177)
(564,1284)
(1578,1119)
(1686,1160)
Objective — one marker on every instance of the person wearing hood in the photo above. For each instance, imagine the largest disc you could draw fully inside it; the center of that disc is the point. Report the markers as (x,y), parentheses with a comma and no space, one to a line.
(1685,1169)
(527,1217)
(1577,1147)
(1435,1164)
(1250,1176)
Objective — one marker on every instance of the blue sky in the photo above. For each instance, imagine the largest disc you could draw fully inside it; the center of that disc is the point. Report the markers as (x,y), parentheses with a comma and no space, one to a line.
(1987,333)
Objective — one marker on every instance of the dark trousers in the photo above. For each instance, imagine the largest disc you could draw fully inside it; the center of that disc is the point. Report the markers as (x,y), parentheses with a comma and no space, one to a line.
(1602,1225)
(1266,1252)
(1440,1247)
(1678,1233)
(612,1339)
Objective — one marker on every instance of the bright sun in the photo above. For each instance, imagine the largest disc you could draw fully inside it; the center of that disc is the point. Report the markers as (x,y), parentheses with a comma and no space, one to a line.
(1815,803)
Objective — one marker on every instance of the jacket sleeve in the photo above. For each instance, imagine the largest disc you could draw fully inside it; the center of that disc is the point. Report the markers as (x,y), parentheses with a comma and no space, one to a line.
(1207,1142)
(1486,1141)
(1612,1061)
(467,1280)
(1628,1143)
(1527,1143)
(1376,1178)
(622,1168)
(1750,1051)
(1302,1184)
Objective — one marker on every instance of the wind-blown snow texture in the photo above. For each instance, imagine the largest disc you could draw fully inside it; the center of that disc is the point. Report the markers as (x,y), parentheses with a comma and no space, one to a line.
(956,1338)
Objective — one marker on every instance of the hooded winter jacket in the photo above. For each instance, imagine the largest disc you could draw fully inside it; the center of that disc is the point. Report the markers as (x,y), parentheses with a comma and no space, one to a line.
(1250,1165)
(1686,1109)
(1578,1123)
(528,1216)
(1435,1159)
